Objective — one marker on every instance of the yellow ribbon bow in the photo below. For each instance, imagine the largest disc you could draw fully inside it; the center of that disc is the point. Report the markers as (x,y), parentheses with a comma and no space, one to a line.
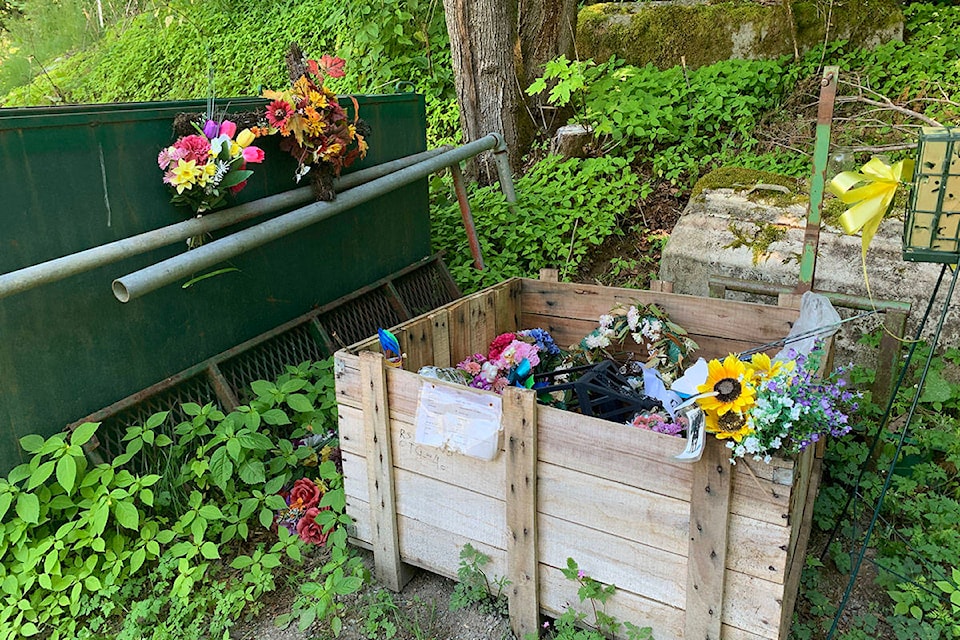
(870,201)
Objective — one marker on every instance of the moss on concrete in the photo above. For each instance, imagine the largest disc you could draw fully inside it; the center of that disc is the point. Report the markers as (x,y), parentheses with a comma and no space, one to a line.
(741,179)
(704,33)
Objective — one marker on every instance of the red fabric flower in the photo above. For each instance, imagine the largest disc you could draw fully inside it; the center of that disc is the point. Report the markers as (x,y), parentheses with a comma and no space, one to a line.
(330,66)
(306,492)
(195,148)
(500,343)
(278,112)
(308,529)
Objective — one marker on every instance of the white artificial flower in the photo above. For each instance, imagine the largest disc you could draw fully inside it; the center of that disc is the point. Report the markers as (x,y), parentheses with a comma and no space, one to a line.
(606,320)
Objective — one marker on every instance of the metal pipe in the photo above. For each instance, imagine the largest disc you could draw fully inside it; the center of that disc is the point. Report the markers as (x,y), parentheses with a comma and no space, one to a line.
(145,280)
(467,215)
(503,171)
(66,266)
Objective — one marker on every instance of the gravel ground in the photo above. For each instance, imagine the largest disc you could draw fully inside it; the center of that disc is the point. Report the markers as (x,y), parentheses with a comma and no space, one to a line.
(421,612)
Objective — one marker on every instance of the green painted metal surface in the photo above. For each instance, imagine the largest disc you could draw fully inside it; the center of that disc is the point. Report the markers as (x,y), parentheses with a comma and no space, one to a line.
(77,177)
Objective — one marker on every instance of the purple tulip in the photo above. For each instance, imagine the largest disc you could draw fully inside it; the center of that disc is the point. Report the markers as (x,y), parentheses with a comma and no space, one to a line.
(211,129)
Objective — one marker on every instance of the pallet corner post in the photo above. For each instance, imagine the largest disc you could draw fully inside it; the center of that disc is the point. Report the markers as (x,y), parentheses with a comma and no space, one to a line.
(706,558)
(520,435)
(383,506)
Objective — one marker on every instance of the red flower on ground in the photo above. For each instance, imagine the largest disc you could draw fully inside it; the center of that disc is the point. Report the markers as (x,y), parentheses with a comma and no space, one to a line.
(306,492)
(278,112)
(309,530)
(500,343)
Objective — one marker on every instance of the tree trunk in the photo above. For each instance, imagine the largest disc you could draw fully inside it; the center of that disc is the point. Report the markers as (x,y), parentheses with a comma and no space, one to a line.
(483,39)
(498,48)
(547,29)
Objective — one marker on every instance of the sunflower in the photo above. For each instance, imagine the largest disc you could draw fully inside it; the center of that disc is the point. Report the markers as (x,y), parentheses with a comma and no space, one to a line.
(728,384)
(729,425)
(764,368)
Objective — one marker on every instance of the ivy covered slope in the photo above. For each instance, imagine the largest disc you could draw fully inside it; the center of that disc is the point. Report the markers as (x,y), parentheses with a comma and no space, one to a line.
(168,53)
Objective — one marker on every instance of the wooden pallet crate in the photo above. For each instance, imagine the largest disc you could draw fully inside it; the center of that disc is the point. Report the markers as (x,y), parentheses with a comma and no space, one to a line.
(705,550)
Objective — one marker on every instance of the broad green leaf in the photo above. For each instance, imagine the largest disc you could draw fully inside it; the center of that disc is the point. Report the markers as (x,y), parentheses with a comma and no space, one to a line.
(29,629)
(307,617)
(275,417)
(263,388)
(266,518)
(156,419)
(935,389)
(41,475)
(82,434)
(300,403)
(126,514)
(209,551)
(28,508)
(241,562)
(31,443)
(221,468)
(235,177)
(153,547)
(92,583)
(252,472)
(67,472)
(146,496)
(275,502)
(211,512)
(292,385)
(234,448)
(256,441)
(274,485)
(136,559)
(5,500)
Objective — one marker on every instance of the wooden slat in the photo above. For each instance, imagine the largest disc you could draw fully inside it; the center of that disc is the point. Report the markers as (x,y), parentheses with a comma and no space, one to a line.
(455,509)
(431,547)
(556,594)
(418,345)
(482,476)
(729,319)
(751,604)
(520,435)
(706,559)
(380,474)
(441,338)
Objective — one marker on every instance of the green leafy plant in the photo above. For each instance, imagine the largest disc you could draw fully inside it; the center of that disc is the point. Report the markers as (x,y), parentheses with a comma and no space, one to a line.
(573,624)
(474,588)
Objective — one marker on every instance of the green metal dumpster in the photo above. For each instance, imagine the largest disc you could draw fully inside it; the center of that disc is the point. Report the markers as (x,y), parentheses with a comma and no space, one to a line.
(72,178)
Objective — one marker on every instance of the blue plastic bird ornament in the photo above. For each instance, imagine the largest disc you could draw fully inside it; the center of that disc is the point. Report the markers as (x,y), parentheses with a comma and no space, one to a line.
(389,342)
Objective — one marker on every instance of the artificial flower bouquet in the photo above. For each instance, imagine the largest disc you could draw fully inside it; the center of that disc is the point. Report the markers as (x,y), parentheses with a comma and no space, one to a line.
(203,168)
(308,115)
(761,407)
(766,407)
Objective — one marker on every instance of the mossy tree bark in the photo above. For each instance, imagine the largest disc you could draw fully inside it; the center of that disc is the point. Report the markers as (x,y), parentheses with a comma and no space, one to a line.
(498,48)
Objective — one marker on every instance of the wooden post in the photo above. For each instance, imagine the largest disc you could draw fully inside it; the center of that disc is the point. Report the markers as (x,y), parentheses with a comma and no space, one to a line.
(706,558)
(550,275)
(383,508)
(520,433)
(888,357)
(661,286)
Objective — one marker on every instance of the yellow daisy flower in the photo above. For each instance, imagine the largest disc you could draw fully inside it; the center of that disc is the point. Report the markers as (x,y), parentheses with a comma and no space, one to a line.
(729,425)
(729,385)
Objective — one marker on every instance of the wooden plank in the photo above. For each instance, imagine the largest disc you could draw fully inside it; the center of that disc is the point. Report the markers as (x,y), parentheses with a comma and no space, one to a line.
(729,319)
(458,322)
(550,275)
(755,547)
(666,621)
(567,332)
(430,547)
(453,509)
(706,558)
(441,338)
(418,345)
(752,604)
(520,435)
(481,476)
(380,474)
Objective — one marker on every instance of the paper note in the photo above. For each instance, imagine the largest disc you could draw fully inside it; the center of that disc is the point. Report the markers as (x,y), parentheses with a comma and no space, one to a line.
(459,419)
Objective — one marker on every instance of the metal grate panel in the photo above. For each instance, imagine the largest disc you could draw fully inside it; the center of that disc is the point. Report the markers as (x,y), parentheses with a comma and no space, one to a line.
(268,360)
(359,319)
(423,290)
(197,389)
